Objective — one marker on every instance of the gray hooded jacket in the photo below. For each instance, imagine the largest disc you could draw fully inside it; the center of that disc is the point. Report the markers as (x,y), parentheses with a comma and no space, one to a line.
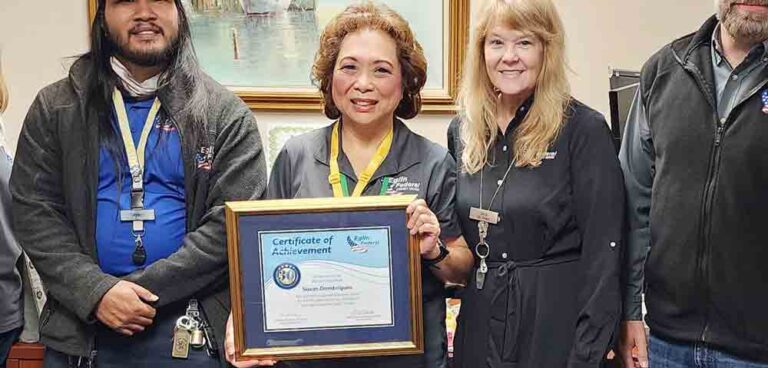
(54,185)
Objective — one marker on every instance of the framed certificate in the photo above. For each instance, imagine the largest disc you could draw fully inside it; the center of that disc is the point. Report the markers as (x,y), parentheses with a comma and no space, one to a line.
(324,278)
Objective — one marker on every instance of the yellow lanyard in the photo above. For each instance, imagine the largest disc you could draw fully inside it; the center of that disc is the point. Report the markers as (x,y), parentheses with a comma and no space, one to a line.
(135,156)
(137,214)
(335,178)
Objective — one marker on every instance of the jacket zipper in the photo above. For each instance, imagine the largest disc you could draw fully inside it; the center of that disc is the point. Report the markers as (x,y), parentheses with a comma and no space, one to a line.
(709,190)
(709,194)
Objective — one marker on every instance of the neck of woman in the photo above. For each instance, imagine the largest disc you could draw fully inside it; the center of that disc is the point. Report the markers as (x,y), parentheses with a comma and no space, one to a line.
(506,109)
(360,142)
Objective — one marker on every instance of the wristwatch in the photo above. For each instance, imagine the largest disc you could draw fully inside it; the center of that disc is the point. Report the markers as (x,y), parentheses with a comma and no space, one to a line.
(443,253)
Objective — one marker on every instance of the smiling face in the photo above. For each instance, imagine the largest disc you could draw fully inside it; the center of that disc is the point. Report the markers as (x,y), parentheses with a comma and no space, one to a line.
(145,32)
(745,20)
(367,78)
(513,60)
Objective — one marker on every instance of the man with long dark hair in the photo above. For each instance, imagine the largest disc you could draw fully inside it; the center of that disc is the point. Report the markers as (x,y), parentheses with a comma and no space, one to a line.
(122,172)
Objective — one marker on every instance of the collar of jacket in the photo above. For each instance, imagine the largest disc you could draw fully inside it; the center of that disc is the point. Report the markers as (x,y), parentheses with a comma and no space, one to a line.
(399,159)
(694,53)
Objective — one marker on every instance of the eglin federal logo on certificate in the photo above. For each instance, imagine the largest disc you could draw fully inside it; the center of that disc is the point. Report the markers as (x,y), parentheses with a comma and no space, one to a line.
(287,276)
(360,243)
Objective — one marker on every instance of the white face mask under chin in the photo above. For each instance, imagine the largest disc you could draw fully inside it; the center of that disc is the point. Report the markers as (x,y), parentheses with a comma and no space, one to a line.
(130,84)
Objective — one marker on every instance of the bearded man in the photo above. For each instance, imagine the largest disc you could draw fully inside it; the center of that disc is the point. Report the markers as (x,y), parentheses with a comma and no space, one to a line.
(121,175)
(696,169)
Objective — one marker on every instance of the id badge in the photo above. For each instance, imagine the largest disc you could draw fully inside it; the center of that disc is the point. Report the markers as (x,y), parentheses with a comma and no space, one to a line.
(479,214)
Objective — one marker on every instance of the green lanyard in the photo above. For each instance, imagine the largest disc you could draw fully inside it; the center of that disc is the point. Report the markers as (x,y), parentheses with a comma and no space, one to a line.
(345,186)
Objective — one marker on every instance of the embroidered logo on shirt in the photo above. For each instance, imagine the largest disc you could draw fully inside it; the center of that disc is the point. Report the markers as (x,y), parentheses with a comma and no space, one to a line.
(204,158)
(765,101)
(401,184)
(550,155)
(165,125)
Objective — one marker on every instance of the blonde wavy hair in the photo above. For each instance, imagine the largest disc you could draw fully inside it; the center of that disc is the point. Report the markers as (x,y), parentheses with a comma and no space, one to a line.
(478,98)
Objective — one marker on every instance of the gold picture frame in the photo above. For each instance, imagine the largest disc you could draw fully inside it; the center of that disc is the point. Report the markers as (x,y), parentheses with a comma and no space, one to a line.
(441,100)
(248,221)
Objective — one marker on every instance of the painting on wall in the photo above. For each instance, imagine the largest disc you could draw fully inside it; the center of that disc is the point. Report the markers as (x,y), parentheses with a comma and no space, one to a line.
(278,134)
(263,49)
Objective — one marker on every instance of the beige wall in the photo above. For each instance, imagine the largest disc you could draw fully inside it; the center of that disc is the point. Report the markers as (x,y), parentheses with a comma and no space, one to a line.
(36,37)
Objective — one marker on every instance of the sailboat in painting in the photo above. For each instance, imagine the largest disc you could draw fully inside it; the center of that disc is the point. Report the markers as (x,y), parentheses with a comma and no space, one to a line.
(266,7)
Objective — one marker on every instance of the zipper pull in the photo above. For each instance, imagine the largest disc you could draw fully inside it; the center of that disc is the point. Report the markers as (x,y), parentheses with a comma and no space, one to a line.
(719,134)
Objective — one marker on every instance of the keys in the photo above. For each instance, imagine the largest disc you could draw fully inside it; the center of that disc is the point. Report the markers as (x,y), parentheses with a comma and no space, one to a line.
(482,250)
(480,275)
(192,325)
(197,338)
(210,344)
(181,337)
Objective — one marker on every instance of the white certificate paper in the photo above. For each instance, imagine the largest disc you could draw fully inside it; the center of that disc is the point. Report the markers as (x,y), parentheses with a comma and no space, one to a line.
(326,279)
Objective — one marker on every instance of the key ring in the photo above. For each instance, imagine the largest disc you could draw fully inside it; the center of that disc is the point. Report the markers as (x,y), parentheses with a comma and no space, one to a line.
(186,322)
(482,245)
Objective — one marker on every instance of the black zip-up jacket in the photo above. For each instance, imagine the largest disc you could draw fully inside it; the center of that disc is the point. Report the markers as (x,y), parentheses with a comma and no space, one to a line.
(54,185)
(698,196)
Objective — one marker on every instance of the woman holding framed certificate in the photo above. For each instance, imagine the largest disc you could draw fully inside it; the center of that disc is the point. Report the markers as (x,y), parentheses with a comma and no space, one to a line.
(540,199)
(370,70)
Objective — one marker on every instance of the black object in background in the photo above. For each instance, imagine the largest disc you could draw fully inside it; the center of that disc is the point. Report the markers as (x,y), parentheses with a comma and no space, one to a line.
(624,84)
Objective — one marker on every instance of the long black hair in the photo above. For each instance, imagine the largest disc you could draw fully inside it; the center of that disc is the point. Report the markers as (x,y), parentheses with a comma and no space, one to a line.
(182,68)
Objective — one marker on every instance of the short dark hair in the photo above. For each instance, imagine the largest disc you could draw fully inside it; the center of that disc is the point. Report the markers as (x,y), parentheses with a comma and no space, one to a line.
(379,17)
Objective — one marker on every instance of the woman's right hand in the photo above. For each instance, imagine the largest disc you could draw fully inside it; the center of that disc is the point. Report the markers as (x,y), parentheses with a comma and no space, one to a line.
(229,350)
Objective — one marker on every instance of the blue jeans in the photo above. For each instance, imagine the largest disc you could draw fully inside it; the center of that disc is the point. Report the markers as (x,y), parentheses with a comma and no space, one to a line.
(667,354)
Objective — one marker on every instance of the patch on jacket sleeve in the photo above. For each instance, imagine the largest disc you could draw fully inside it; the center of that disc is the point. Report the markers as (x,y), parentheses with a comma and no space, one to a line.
(204,158)
(764,98)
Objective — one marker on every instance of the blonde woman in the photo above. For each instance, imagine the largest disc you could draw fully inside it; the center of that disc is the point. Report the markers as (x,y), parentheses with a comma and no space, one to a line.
(540,200)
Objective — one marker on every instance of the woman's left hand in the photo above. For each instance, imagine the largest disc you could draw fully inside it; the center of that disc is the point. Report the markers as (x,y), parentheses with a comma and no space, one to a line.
(424,223)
